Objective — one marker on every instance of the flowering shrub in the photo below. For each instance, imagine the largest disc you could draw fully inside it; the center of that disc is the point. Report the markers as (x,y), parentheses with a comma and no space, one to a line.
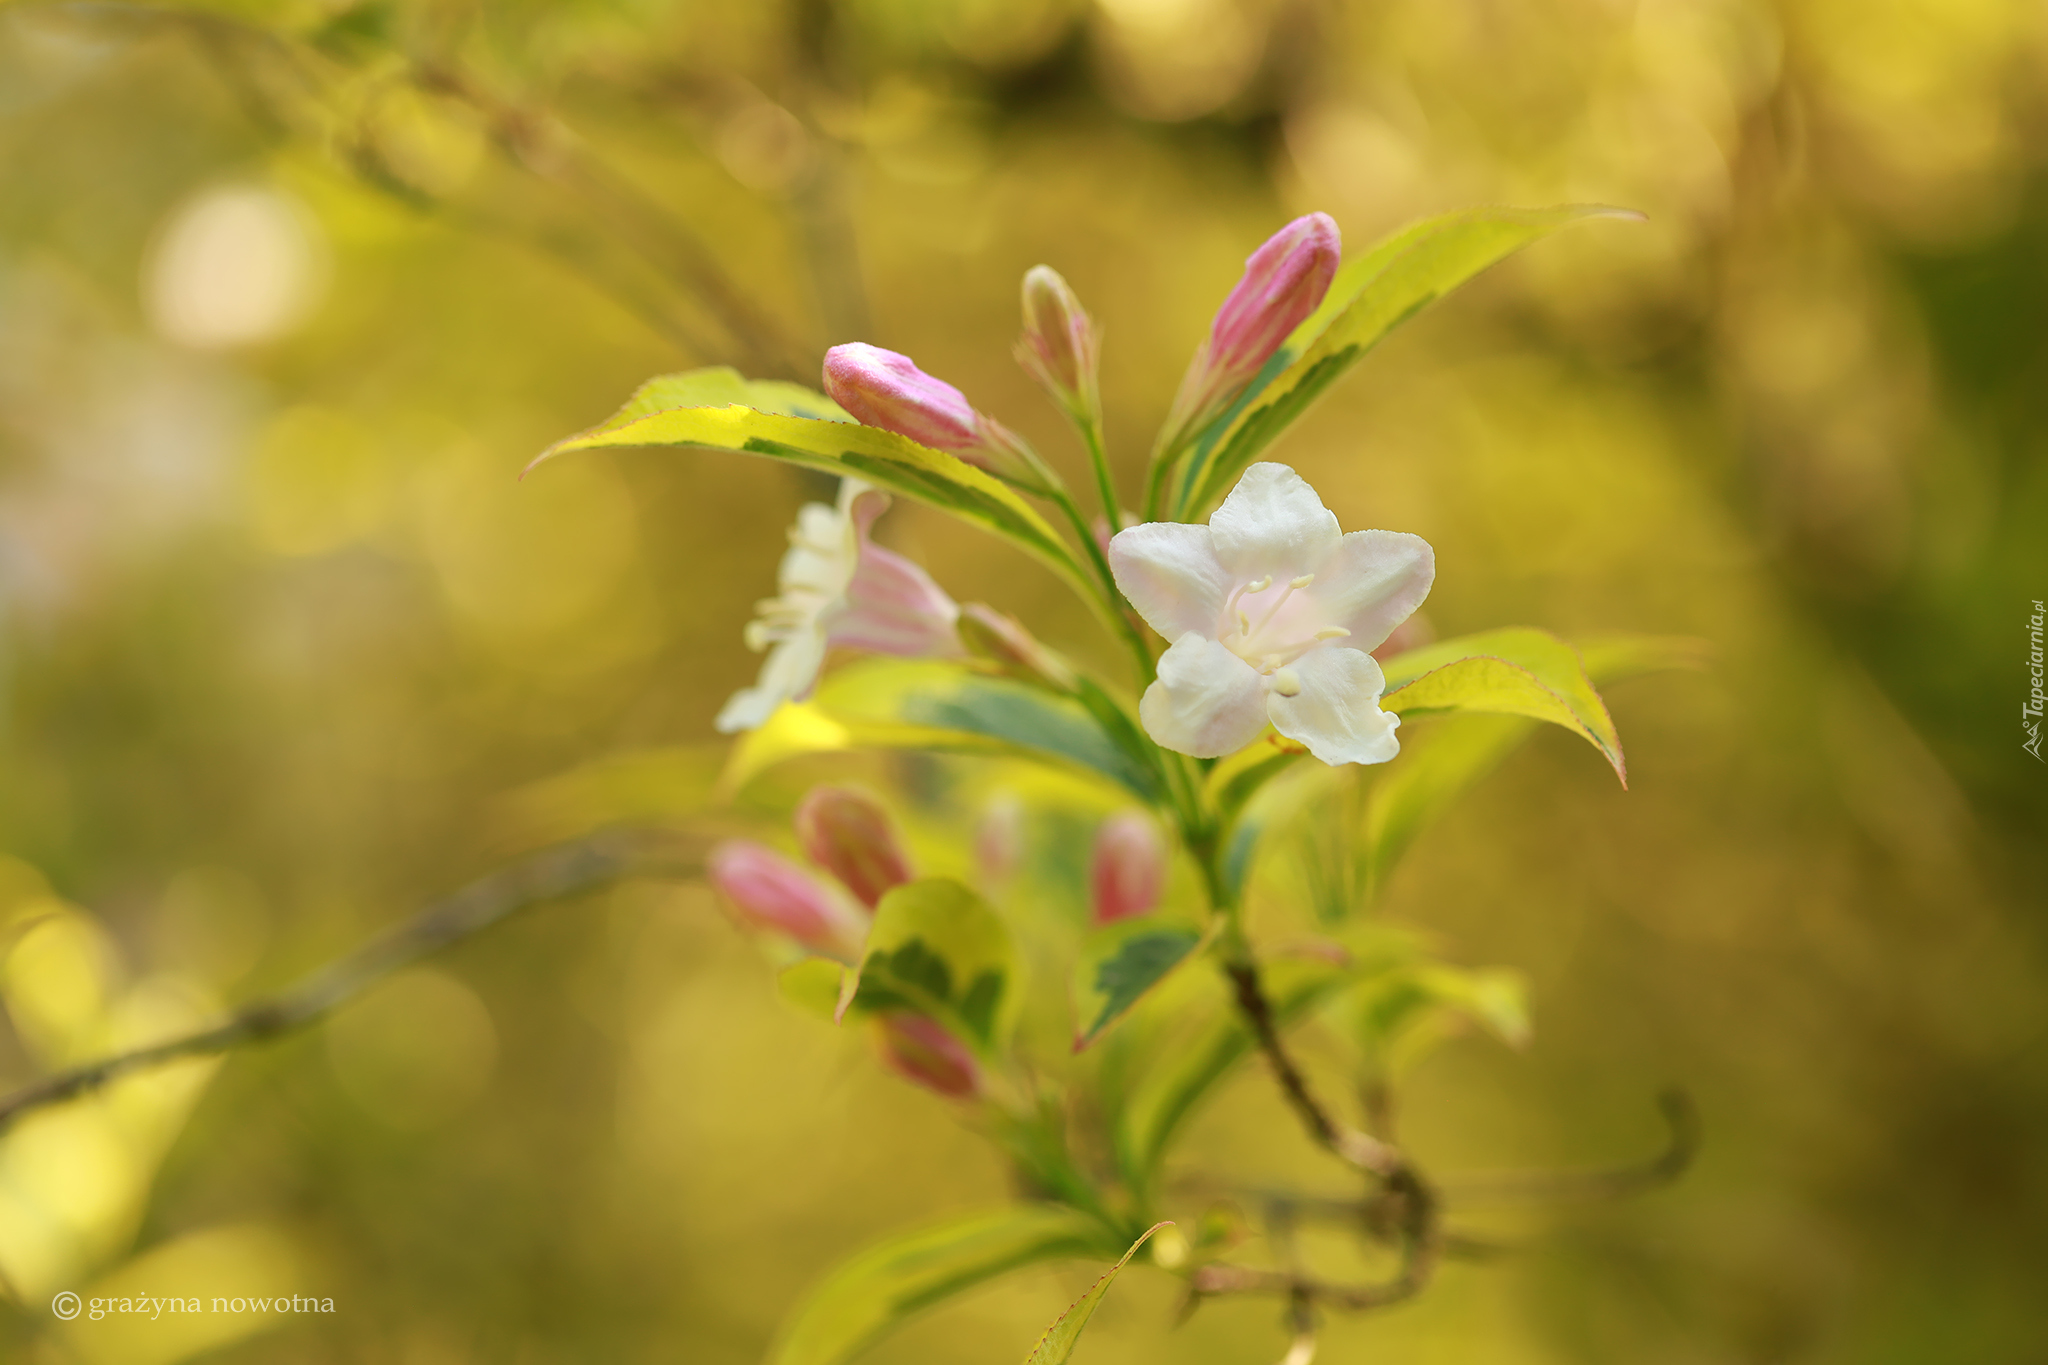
(1272,657)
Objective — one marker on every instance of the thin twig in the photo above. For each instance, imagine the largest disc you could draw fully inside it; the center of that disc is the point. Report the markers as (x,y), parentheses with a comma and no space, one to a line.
(1359,1149)
(547,876)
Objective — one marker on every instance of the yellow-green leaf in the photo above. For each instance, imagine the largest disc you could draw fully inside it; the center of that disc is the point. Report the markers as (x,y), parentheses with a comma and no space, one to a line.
(717,386)
(890,1281)
(832,446)
(1057,1344)
(1514,672)
(1392,282)
(937,949)
(1436,768)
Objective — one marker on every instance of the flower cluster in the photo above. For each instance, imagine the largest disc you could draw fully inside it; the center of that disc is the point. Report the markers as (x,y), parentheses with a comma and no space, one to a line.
(1130,826)
(1270,613)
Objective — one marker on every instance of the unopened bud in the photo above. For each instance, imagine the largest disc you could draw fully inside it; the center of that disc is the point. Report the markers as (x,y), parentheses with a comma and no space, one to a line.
(1003,641)
(769,892)
(849,835)
(1284,281)
(1058,347)
(921,1050)
(884,389)
(1129,870)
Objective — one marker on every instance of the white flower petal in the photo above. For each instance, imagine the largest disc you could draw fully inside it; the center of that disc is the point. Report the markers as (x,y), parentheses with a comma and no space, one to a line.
(1206,702)
(1272,523)
(1337,711)
(1170,573)
(788,674)
(1372,582)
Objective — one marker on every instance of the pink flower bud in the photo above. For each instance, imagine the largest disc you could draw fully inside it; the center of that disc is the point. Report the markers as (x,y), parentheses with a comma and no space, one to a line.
(769,892)
(921,1050)
(1003,641)
(1284,281)
(1129,869)
(849,835)
(883,389)
(1058,347)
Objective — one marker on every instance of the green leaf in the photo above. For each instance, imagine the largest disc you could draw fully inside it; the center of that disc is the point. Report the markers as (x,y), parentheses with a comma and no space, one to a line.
(937,949)
(946,707)
(1392,282)
(868,1295)
(1514,672)
(831,445)
(1119,965)
(1457,751)
(1058,1342)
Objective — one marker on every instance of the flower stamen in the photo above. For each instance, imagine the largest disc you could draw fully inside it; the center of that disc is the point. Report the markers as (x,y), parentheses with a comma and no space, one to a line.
(1279,601)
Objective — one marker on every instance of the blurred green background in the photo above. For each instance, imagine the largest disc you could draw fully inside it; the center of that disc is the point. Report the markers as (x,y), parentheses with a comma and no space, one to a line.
(290,294)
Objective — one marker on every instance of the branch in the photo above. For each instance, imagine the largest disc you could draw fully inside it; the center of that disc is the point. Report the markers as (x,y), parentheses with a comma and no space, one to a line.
(547,876)
(1365,1152)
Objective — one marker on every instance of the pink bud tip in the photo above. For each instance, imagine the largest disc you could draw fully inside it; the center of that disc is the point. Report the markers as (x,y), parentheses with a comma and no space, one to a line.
(769,892)
(1058,347)
(1284,281)
(921,1050)
(849,835)
(884,389)
(1129,868)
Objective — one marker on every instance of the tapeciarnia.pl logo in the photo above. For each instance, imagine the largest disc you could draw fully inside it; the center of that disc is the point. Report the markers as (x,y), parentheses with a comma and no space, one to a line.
(2030,713)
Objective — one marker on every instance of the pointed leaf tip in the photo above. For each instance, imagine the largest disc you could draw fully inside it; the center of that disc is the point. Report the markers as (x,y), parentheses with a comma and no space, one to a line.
(1057,1345)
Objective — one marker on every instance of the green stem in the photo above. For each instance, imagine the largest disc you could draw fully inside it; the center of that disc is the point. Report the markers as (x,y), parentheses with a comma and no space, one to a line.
(1110,602)
(1098,455)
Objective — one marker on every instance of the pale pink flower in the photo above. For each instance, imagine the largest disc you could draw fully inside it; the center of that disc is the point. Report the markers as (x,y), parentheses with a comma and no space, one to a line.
(884,389)
(1272,613)
(768,891)
(1129,868)
(849,835)
(836,587)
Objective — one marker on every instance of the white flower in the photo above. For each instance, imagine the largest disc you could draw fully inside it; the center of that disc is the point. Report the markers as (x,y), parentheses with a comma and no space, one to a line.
(836,588)
(1272,613)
